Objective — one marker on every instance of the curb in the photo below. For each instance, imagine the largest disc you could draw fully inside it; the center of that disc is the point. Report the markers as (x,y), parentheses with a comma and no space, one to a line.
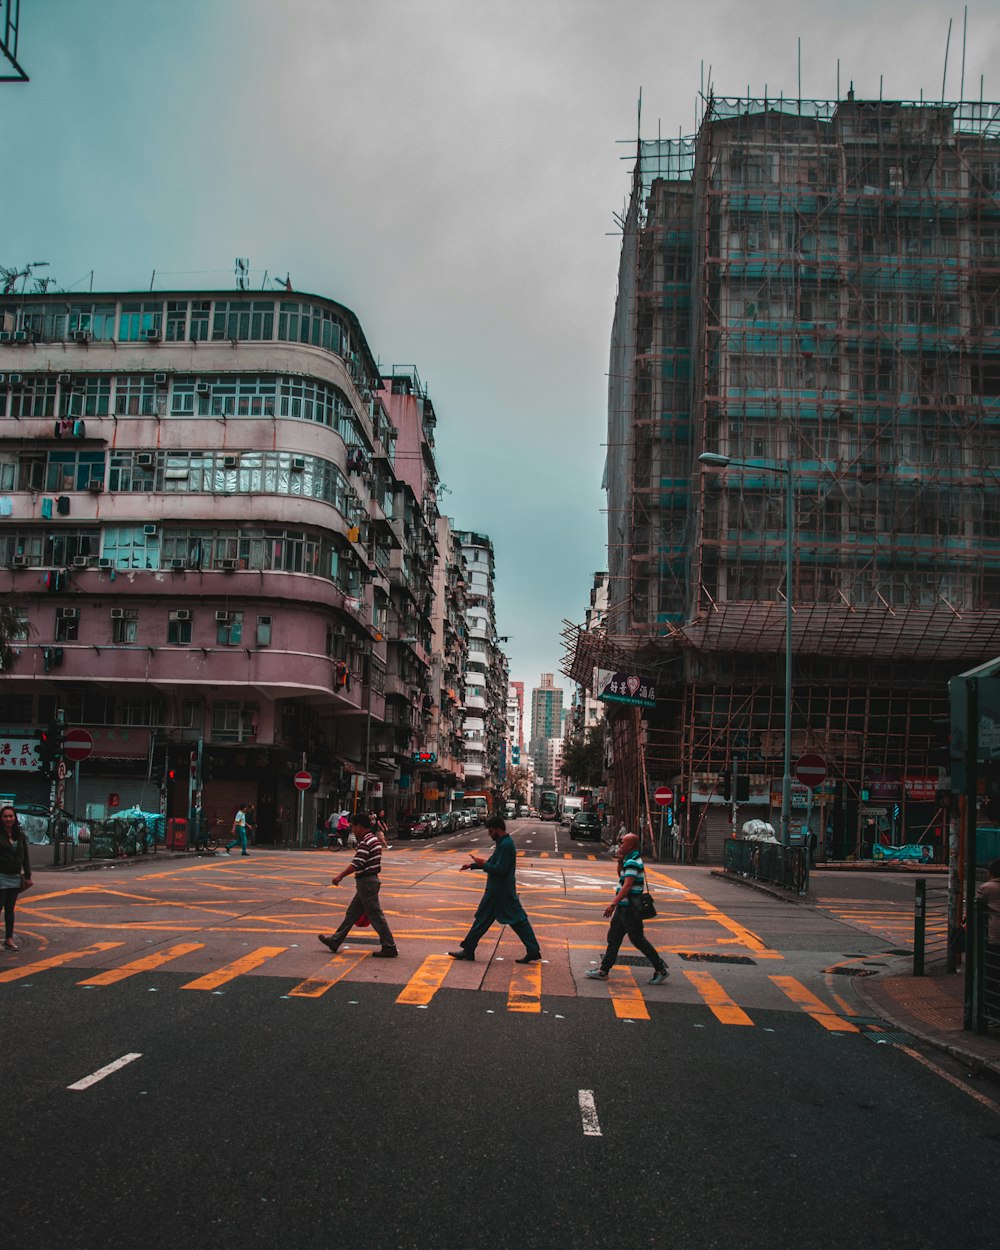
(762,887)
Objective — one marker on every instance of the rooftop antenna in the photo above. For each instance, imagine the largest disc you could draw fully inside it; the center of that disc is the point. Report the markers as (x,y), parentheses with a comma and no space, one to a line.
(800,73)
(242,272)
(947,45)
(965,27)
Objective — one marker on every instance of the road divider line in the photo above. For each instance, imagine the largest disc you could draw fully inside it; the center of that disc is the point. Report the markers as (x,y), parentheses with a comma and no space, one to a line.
(54,961)
(338,968)
(525,992)
(626,997)
(813,1006)
(101,1073)
(212,980)
(426,981)
(146,964)
(588,1113)
(716,999)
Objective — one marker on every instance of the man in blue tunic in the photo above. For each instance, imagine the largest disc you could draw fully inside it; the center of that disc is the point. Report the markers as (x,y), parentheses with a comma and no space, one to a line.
(500,901)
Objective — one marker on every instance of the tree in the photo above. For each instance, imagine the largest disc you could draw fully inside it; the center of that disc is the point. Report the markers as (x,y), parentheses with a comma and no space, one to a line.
(516,785)
(12,630)
(583,757)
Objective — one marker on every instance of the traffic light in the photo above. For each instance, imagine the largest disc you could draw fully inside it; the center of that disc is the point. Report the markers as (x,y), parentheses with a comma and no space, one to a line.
(727,785)
(50,747)
(742,788)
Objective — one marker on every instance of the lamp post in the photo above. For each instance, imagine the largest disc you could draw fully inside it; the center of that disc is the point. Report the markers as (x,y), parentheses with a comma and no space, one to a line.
(713,460)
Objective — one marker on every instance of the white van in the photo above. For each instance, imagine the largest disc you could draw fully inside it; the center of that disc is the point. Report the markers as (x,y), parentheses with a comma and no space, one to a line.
(523,812)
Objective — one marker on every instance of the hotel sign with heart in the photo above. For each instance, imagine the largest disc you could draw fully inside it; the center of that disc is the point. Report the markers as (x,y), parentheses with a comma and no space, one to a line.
(619,687)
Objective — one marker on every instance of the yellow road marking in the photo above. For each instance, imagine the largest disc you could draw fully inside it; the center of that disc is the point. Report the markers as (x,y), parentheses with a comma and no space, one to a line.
(591,856)
(626,996)
(426,981)
(26,970)
(212,980)
(742,934)
(338,968)
(716,999)
(967,1089)
(812,1005)
(146,964)
(525,993)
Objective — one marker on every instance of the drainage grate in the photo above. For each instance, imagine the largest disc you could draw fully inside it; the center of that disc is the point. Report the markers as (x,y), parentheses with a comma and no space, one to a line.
(851,972)
(700,957)
(634,961)
(886,1037)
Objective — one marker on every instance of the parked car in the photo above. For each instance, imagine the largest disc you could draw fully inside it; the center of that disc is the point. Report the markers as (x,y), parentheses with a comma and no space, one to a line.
(424,825)
(447,822)
(468,817)
(585,825)
(523,811)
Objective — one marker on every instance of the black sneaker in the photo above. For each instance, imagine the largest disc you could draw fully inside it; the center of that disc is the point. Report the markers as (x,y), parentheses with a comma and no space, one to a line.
(463,955)
(386,952)
(529,959)
(329,942)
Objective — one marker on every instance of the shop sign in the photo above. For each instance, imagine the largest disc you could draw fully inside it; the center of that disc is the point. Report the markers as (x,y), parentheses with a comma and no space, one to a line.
(18,755)
(622,687)
(921,789)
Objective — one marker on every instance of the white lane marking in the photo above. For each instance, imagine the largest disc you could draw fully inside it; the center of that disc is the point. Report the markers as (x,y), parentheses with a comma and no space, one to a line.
(101,1073)
(588,1113)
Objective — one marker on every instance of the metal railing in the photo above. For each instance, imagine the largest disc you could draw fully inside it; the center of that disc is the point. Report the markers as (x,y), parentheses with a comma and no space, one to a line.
(986,973)
(784,866)
(930,925)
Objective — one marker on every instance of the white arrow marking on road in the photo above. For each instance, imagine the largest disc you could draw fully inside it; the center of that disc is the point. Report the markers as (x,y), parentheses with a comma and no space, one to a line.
(101,1073)
(588,1113)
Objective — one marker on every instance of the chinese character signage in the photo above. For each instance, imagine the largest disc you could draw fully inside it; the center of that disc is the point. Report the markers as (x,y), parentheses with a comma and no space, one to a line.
(624,688)
(18,755)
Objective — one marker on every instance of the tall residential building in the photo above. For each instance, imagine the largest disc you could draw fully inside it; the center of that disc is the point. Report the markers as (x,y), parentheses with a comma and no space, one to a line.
(811,289)
(546,721)
(486,675)
(215,552)
(515,716)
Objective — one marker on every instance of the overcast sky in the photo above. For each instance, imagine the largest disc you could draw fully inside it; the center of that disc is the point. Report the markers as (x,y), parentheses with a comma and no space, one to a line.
(449,170)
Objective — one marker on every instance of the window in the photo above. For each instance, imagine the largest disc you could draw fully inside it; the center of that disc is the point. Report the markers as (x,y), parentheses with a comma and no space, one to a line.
(137,396)
(179,626)
(88,397)
(97,320)
(125,628)
(73,470)
(131,548)
(229,629)
(36,397)
(233,722)
(137,319)
(304,323)
(67,625)
(147,712)
(263,631)
(243,319)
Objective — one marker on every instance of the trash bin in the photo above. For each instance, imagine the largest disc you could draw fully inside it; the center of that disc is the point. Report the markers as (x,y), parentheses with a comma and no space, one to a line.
(177,835)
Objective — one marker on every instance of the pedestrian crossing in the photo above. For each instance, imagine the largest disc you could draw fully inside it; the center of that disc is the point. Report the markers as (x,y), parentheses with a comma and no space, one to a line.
(525,988)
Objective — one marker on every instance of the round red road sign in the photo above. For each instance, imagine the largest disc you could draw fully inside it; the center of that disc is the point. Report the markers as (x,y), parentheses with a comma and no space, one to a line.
(77,744)
(810,770)
(303,781)
(663,796)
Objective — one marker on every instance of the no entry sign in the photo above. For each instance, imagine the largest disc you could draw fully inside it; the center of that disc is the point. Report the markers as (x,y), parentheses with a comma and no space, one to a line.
(303,780)
(810,770)
(77,744)
(663,796)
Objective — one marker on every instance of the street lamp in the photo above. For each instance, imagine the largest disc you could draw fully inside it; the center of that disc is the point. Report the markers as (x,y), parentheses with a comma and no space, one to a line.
(712,460)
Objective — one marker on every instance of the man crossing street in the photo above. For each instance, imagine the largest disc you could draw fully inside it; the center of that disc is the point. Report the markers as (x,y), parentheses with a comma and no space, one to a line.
(500,901)
(365,868)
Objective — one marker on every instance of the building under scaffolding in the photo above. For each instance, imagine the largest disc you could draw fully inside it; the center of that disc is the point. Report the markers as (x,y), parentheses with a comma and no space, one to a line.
(815,287)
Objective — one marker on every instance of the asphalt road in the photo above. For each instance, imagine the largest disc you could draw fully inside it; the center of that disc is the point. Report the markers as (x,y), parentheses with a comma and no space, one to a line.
(274,1097)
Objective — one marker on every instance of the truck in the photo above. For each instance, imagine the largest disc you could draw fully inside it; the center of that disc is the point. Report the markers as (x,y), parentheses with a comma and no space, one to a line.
(571,804)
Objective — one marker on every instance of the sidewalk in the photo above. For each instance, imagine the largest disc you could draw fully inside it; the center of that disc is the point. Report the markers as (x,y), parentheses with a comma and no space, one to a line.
(931,1008)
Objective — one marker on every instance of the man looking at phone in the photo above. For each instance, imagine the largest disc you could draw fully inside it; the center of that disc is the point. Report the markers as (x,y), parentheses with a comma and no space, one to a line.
(500,902)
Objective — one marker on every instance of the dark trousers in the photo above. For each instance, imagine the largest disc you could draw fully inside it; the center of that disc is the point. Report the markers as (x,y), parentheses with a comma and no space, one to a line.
(626,922)
(485,918)
(8,899)
(365,900)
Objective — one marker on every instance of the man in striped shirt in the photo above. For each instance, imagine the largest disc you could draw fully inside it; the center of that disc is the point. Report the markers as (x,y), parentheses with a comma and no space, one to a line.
(364,867)
(623,912)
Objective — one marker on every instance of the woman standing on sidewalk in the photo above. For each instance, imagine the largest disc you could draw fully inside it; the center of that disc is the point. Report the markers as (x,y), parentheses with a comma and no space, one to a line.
(15,870)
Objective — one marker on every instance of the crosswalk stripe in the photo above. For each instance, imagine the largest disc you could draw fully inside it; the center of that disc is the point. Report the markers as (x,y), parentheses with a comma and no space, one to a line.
(426,981)
(812,1005)
(212,980)
(716,999)
(626,997)
(525,991)
(54,961)
(338,968)
(146,964)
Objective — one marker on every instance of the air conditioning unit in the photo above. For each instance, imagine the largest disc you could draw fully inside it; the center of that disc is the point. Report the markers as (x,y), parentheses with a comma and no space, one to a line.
(22,336)
(145,460)
(152,336)
(202,388)
(105,563)
(65,379)
(6,336)
(81,562)
(95,485)
(159,379)
(298,464)
(19,562)
(68,614)
(178,565)
(229,565)
(230,462)
(117,614)
(181,614)
(14,379)
(149,529)
(81,336)
(222,617)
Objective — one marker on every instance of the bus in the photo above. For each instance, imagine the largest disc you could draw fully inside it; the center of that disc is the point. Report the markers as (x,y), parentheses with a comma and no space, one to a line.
(548,805)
